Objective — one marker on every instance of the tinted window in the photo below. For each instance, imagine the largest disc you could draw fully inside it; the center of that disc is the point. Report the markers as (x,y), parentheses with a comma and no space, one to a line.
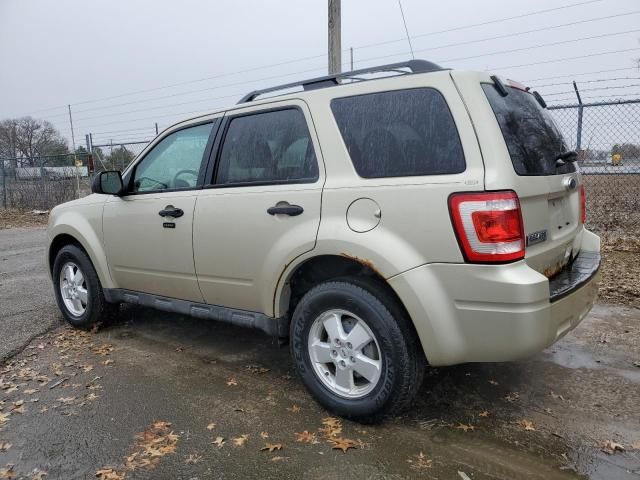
(267,147)
(399,133)
(174,162)
(533,140)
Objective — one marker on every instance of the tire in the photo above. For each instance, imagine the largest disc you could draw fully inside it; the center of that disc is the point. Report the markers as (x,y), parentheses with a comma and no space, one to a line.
(394,348)
(85,305)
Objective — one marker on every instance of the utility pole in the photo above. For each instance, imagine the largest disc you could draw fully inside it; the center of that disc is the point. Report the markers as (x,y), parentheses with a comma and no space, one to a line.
(335,49)
(73,137)
(156,129)
(351,55)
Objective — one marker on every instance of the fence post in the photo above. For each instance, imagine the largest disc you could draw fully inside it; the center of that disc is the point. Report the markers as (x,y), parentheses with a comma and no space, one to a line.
(4,186)
(580,111)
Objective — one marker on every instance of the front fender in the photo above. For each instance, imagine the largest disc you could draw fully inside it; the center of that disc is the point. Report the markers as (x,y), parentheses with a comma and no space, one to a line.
(84,224)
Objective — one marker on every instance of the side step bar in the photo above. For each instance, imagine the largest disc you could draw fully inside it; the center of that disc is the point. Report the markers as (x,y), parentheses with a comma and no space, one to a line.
(277,327)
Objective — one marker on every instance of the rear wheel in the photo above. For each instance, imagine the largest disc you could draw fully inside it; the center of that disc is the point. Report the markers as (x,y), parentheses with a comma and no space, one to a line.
(356,358)
(77,289)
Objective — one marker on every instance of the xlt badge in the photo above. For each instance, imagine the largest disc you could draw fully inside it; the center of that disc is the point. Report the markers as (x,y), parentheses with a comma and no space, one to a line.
(536,237)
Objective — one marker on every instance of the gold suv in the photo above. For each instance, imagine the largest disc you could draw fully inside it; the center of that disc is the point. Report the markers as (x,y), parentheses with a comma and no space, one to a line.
(382,220)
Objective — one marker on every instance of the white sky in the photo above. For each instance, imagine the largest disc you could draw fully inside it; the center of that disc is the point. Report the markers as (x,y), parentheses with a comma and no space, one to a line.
(75,51)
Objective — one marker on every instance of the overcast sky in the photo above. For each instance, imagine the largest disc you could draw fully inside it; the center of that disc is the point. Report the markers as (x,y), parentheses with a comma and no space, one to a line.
(54,53)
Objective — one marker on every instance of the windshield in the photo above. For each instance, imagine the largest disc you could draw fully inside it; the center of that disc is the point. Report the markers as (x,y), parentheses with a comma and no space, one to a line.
(533,140)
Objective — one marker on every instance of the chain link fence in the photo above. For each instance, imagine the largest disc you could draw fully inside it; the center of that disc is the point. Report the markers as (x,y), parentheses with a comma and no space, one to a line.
(606,135)
(40,183)
(607,138)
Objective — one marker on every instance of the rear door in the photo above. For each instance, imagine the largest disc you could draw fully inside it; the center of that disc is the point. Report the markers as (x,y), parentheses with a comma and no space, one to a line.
(521,144)
(261,208)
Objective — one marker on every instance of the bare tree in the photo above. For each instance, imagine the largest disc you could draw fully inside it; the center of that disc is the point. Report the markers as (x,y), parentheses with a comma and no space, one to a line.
(24,139)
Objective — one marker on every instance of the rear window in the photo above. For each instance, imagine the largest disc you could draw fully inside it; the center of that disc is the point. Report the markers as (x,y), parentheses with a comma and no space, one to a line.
(533,139)
(399,133)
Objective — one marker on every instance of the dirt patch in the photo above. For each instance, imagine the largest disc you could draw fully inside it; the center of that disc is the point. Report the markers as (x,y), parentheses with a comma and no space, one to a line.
(620,270)
(17,218)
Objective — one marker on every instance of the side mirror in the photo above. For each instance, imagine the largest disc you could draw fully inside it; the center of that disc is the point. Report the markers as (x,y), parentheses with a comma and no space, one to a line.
(109,183)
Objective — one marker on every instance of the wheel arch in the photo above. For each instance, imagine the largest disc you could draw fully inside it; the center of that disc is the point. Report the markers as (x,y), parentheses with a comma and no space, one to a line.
(321,268)
(89,243)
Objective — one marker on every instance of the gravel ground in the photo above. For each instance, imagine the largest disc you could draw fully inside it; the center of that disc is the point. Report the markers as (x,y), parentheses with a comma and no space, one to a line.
(16,218)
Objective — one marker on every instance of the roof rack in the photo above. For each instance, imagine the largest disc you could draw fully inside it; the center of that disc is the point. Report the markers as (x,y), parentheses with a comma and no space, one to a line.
(416,66)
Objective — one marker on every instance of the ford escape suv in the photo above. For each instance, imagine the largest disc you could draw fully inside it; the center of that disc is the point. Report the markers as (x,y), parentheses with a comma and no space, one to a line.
(381,220)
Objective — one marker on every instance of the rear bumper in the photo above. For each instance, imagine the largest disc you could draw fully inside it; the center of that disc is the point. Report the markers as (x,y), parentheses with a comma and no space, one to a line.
(493,313)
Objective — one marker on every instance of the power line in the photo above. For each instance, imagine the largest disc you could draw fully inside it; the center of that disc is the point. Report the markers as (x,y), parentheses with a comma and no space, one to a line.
(590,55)
(571,75)
(593,89)
(599,80)
(287,62)
(372,58)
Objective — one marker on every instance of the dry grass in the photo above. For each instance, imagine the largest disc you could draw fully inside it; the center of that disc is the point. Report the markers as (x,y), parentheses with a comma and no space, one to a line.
(17,218)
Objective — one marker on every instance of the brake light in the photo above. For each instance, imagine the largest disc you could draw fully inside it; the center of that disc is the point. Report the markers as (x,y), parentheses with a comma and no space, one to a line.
(583,205)
(488,226)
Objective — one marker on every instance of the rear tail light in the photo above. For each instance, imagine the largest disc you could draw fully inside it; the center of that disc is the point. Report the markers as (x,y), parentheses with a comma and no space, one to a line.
(583,205)
(488,226)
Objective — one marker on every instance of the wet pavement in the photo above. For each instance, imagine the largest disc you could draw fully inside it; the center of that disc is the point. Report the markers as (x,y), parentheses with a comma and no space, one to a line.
(147,397)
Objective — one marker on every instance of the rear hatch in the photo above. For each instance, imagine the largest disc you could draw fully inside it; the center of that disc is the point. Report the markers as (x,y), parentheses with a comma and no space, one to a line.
(521,145)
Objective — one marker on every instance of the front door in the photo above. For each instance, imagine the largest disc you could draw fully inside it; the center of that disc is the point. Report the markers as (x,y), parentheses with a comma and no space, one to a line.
(148,231)
(262,208)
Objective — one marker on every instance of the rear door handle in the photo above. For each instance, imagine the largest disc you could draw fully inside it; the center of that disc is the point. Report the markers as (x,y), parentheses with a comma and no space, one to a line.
(171,211)
(291,210)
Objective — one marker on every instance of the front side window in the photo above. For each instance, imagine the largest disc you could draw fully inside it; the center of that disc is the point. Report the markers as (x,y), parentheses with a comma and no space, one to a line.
(175,162)
(399,133)
(267,147)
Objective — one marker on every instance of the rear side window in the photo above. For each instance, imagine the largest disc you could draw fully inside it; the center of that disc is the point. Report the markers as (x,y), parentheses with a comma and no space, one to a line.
(267,147)
(533,140)
(399,133)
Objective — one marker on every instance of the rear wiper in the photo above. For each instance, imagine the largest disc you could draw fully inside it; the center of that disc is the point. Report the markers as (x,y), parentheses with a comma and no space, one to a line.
(570,156)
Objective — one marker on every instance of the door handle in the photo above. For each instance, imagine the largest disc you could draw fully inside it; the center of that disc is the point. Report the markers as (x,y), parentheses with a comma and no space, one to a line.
(291,210)
(171,211)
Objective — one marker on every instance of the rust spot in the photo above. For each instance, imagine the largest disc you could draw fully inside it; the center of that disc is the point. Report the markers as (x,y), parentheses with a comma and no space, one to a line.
(553,270)
(363,262)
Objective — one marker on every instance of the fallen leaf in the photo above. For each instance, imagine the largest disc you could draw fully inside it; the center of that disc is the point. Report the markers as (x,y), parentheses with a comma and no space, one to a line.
(4,417)
(87,368)
(610,447)
(343,444)
(192,459)
(232,382)
(7,472)
(264,435)
(91,396)
(211,426)
(66,400)
(19,403)
(484,414)
(219,442)
(420,462)
(104,349)
(306,437)
(527,425)
(241,440)
(332,427)
(555,396)
(635,446)
(38,474)
(294,408)
(107,362)
(493,382)
(4,446)
(257,369)
(31,391)
(465,427)
(512,396)
(271,447)
(19,409)
(109,474)
(278,459)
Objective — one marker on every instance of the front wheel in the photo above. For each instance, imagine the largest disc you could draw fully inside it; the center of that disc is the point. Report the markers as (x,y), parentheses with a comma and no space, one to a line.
(357,358)
(77,289)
